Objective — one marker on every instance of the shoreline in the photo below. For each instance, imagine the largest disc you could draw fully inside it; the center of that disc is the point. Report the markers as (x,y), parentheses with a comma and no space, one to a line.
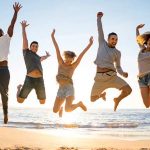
(11,137)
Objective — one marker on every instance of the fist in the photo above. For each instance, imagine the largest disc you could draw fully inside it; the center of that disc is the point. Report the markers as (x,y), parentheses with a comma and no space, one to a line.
(99,14)
(140,26)
(91,40)
(52,34)
(125,74)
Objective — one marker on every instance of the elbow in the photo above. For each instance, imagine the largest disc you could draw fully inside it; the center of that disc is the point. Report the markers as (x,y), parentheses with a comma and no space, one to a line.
(10,34)
(10,31)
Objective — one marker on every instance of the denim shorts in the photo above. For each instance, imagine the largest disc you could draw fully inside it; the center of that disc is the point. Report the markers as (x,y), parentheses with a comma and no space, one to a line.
(65,91)
(33,83)
(144,81)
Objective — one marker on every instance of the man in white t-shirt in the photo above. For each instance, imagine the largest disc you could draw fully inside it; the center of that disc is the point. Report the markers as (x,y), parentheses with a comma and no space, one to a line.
(4,71)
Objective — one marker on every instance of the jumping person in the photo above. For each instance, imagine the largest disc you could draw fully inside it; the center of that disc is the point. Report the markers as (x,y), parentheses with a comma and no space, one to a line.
(34,77)
(4,51)
(106,76)
(64,78)
(144,65)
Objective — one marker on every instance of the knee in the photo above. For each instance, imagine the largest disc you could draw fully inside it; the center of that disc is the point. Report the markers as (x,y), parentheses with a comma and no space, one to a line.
(127,90)
(42,101)
(147,106)
(94,98)
(55,110)
(67,109)
(20,100)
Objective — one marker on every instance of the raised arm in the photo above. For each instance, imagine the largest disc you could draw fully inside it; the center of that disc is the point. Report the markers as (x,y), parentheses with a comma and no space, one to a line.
(59,58)
(24,36)
(139,39)
(45,56)
(100,28)
(10,30)
(76,63)
(137,29)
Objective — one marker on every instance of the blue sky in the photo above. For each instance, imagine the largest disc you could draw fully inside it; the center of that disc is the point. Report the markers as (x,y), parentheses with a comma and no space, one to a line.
(75,22)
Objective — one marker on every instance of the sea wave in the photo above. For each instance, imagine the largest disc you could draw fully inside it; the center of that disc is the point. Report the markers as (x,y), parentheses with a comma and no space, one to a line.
(37,125)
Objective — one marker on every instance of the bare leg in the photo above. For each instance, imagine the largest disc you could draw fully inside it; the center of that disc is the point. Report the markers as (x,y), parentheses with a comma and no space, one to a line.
(96,97)
(61,112)
(69,107)
(57,106)
(125,91)
(145,96)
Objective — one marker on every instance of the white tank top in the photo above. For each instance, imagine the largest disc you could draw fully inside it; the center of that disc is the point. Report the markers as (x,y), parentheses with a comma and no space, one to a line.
(4,47)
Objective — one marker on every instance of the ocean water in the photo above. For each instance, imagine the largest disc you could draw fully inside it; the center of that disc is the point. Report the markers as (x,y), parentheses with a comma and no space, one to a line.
(124,124)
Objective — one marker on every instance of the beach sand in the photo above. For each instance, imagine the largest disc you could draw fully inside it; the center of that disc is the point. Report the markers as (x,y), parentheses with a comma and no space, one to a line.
(18,139)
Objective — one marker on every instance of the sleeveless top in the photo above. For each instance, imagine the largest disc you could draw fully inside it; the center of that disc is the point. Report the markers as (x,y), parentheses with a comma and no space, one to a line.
(65,73)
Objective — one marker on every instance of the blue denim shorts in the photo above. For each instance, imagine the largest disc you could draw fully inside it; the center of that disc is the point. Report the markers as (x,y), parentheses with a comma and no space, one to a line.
(144,81)
(65,91)
(33,83)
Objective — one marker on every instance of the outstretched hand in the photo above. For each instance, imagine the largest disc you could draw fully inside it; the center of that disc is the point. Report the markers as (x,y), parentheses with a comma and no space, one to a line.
(17,7)
(140,26)
(91,40)
(53,33)
(47,54)
(100,14)
(24,24)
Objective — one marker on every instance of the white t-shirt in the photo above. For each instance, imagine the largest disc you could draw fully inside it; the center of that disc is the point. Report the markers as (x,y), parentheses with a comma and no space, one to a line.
(4,47)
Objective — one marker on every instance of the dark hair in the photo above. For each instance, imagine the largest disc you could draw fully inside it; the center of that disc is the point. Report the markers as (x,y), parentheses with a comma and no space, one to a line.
(34,42)
(1,31)
(70,54)
(112,33)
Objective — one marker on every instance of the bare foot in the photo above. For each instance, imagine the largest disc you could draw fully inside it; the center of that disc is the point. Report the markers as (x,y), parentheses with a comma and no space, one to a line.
(116,101)
(61,112)
(82,106)
(103,96)
(5,119)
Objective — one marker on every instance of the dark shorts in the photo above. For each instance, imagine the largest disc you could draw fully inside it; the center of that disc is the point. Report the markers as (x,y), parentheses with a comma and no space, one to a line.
(144,81)
(33,83)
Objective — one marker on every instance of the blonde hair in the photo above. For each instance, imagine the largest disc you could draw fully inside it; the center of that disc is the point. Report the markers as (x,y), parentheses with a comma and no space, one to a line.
(142,39)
